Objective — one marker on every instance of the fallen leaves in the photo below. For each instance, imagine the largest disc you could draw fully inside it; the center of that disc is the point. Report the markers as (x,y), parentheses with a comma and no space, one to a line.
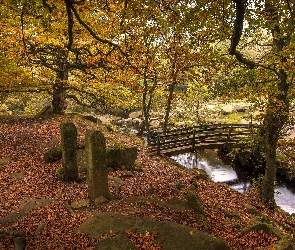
(53,225)
(144,240)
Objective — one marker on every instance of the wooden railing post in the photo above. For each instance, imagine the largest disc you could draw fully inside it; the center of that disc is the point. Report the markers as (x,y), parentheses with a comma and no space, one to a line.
(228,136)
(158,145)
(194,140)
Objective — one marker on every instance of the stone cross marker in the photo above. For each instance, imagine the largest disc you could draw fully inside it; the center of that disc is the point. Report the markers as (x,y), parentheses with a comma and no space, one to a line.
(69,150)
(97,177)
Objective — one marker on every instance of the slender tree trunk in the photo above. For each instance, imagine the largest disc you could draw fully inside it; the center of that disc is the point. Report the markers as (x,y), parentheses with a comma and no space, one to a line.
(59,91)
(145,111)
(169,106)
(147,107)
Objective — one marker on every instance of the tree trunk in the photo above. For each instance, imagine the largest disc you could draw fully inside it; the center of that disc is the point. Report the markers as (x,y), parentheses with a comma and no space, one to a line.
(169,105)
(271,137)
(145,110)
(59,91)
(277,111)
(276,117)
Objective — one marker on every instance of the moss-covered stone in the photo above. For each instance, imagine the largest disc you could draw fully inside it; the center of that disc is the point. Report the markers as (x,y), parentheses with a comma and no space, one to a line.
(200,174)
(69,150)
(97,177)
(60,173)
(266,228)
(119,156)
(53,154)
(93,119)
(286,243)
(265,224)
(195,203)
(46,110)
(171,236)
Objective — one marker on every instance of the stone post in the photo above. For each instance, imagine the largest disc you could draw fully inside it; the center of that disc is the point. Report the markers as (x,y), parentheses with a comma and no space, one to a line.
(69,150)
(97,176)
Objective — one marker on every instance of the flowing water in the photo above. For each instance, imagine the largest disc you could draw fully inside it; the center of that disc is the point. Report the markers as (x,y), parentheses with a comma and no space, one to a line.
(235,177)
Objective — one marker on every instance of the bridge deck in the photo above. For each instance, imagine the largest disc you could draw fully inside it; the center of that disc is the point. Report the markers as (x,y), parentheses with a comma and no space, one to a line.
(201,137)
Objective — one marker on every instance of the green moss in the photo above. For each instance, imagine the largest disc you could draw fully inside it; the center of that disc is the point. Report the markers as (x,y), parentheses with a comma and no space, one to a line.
(119,157)
(195,203)
(187,237)
(233,118)
(179,185)
(60,173)
(53,155)
(266,228)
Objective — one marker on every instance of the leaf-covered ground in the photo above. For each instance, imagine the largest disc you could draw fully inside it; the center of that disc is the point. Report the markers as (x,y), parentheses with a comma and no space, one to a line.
(26,176)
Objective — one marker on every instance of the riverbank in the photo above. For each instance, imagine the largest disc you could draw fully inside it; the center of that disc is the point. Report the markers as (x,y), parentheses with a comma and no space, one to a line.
(222,170)
(245,158)
(25,177)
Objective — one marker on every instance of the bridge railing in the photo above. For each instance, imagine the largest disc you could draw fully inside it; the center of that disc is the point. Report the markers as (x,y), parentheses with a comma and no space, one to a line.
(200,137)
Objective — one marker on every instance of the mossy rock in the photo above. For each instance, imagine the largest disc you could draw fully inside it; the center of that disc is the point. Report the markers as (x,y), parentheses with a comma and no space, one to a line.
(266,228)
(170,235)
(253,211)
(201,174)
(286,243)
(195,203)
(60,173)
(93,119)
(265,224)
(119,156)
(191,203)
(47,110)
(53,154)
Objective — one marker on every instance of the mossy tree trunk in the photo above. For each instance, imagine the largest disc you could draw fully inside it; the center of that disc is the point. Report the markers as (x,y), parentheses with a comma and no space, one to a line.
(169,105)
(277,109)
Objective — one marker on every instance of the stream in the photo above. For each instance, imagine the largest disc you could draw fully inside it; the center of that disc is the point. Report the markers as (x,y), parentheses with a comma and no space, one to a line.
(237,178)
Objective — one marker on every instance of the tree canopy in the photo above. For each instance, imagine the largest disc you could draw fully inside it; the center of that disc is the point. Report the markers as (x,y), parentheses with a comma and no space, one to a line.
(100,53)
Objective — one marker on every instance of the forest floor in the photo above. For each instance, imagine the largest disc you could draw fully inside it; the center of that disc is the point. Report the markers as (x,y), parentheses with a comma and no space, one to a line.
(27,181)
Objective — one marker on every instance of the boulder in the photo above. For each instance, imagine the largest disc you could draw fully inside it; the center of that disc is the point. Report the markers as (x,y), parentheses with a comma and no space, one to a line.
(155,123)
(227,109)
(25,207)
(240,108)
(170,235)
(135,114)
(53,154)
(119,156)
(92,118)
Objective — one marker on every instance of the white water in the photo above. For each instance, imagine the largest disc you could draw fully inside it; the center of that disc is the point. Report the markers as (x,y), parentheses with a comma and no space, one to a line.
(237,179)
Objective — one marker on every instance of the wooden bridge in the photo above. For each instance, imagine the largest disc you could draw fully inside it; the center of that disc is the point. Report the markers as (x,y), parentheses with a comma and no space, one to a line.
(200,137)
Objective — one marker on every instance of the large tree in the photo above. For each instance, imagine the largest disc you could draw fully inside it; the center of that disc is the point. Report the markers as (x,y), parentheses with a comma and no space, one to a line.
(276,20)
(57,43)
